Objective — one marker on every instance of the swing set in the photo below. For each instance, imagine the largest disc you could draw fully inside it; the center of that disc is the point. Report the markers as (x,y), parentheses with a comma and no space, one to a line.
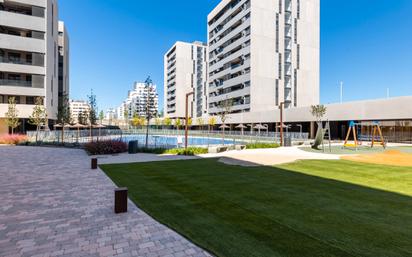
(354,127)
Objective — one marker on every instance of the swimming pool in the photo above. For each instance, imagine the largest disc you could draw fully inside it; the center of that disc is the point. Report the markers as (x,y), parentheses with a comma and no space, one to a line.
(176,141)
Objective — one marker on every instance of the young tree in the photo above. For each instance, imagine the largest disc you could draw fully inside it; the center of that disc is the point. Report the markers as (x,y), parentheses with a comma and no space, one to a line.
(200,122)
(178,123)
(92,108)
(39,116)
(12,119)
(226,108)
(150,105)
(83,118)
(158,122)
(211,122)
(126,117)
(167,122)
(101,117)
(189,122)
(318,111)
(63,114)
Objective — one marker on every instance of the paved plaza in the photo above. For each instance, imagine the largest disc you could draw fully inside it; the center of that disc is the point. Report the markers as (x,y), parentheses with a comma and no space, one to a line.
(52,204)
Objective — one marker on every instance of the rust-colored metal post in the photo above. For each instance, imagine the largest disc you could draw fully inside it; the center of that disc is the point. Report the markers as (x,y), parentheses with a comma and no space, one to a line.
(120,200)
(281,123)
(187,118)
(94,163)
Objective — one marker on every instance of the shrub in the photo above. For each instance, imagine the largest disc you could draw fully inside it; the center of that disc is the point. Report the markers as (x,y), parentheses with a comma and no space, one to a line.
(190,151)
(106,147)
(262,145)
(152,150)
(15,139)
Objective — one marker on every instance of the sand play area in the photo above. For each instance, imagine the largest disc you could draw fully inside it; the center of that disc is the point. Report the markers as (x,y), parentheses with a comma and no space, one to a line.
(389,157)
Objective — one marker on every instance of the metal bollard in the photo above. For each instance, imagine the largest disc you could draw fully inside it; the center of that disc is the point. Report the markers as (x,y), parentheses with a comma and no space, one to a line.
(120,200)
(94,163)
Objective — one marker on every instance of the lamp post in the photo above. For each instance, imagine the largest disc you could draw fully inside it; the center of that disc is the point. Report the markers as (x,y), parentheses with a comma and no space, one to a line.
(281,106)
(187,118)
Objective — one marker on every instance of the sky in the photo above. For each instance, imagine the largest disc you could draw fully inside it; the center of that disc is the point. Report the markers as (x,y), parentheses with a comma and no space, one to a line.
(113,43)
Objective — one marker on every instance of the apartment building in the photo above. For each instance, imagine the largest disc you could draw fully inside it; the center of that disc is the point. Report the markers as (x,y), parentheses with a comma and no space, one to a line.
(262,54)
(185,71)
(138,100)
(77,108)
(63,49)
(28,57)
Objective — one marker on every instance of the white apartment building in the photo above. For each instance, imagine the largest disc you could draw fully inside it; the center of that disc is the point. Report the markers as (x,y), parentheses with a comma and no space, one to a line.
(263,53)
(78,107)
(28,57)
(138,100)
(185,71)
(64,59)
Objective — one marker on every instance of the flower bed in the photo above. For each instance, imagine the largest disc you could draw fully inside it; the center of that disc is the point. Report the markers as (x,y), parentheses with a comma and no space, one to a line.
(105,147)
(12,139)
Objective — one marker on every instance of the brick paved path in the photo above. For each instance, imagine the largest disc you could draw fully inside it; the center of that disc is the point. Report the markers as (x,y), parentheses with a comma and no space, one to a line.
(52,204)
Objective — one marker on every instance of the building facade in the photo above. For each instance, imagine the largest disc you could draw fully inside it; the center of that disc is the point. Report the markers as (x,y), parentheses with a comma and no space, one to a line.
(64,60)
(185,71)
(263,53)
(78,108)
(28,57)
(138,100)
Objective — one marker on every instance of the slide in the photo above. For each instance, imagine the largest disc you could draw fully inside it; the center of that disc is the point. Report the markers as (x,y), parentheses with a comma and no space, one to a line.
(319,138)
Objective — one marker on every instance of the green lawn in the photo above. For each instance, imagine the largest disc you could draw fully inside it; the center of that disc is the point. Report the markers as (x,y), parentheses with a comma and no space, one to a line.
(309,208)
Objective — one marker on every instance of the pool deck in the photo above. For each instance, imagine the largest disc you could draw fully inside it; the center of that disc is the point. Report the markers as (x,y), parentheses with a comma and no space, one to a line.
(253,157)
(53,204)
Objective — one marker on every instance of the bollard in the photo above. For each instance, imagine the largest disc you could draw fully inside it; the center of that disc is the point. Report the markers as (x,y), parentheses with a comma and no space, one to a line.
(94,163)
(120,200)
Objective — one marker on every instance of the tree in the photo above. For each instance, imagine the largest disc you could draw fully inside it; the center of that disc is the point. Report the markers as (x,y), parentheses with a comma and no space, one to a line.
(12,119)
(318,111)
(211,122)
(63,114)
(158,122)
(226,108)
(39,116)
(167,122)
(150,105)
(92,108)
(101,117)
(189,122)
(126,117)
(83,118)
(178,123)
(200,122)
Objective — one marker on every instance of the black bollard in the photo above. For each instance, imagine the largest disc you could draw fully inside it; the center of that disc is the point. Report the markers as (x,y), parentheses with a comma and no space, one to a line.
(120,200)
(94,163)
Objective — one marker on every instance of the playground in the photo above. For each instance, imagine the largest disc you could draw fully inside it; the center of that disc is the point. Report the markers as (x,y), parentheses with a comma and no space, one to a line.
(364,143)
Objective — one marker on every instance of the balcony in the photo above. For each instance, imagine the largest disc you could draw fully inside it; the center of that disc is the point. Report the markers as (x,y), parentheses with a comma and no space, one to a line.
(17,20)
(24,44)
(21,83)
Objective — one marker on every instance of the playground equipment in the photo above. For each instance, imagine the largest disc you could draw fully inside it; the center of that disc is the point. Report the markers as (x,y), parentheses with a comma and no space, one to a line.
(321,135)
(354,128)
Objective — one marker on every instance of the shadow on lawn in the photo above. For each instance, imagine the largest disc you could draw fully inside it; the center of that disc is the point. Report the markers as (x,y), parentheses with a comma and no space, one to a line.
(236,211)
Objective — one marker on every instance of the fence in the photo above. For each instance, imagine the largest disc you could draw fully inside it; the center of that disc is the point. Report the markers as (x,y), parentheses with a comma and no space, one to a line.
(163,138)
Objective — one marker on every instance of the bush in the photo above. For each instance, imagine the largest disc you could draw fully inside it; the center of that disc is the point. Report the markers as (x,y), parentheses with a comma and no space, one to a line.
(190,151)
(15,139)
(151,150)
(262,145)
(106,147)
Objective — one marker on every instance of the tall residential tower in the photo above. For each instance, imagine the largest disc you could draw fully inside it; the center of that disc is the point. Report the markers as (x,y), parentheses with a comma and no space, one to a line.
(185,71)
(263,53)
(28,57)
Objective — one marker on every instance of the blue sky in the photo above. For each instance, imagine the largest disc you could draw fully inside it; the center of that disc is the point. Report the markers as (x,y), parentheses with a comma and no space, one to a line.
(365,43)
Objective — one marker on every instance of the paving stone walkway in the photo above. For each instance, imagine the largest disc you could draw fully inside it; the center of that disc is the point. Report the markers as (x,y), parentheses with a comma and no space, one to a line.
(52,204)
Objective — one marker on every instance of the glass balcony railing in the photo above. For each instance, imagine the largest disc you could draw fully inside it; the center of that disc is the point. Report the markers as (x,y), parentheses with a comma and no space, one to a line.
(18,61)
(20,83)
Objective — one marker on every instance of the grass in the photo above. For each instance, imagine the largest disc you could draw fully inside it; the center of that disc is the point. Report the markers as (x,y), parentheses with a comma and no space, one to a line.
(364,149)
(262,145)
(308,208)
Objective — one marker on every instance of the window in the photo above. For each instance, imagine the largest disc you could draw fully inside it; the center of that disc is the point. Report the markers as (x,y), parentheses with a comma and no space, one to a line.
(298,57)
(298,9)
(30,100)
(277,33)
(295,90)
(280,66)
(280,6)
(277,92)
(2,98)
(296,31)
